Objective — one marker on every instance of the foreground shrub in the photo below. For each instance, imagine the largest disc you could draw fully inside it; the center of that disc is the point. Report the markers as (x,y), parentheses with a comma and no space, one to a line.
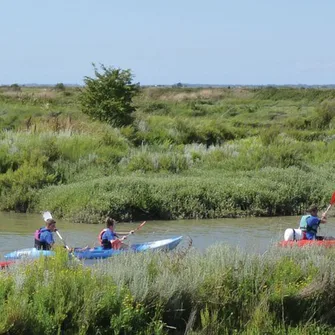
(224,290)
(58,297)
(221,290)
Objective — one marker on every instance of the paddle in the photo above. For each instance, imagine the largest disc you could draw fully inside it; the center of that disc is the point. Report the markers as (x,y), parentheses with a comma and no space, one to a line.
(133,231)
(332,202)
(66,246)
(47,216)
(116,244)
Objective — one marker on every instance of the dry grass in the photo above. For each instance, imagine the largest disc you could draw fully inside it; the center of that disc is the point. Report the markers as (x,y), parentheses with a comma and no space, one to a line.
(43,94)
(187,94)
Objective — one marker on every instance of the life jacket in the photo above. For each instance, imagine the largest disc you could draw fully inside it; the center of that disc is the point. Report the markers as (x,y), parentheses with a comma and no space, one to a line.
(303,222)
(106,244)
(313,229)
(306,228)
(41,245)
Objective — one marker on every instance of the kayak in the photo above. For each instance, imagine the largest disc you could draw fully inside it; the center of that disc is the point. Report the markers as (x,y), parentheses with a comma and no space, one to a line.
(303,243)
(5,264)
(98,252)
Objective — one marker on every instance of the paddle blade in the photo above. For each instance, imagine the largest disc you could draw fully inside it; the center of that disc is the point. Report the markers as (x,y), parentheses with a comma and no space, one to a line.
(141,225)
(332,200)
(47,216)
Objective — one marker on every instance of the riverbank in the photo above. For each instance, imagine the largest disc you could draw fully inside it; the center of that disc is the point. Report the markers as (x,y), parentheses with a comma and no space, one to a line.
(190,153)
(222,290)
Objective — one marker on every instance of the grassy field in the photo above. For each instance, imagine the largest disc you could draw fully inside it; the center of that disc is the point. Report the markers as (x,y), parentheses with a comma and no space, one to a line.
(190,153)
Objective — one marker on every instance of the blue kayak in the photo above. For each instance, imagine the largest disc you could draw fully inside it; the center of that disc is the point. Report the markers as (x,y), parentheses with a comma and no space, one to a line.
(98,252)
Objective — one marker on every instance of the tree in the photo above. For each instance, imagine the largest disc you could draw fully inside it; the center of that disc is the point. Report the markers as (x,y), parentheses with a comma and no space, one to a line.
(108,97)
(179,85)
(60,87)
(15,87)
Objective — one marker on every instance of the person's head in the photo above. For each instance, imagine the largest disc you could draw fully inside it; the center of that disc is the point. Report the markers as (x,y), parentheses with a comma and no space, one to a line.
(110,223)
(313,210)
(51,224)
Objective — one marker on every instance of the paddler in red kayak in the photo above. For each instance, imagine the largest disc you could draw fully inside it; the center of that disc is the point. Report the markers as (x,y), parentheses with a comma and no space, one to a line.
(310,223)
(109,239)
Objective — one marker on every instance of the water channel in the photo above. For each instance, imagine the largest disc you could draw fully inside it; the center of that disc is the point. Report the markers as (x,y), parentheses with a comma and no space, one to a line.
(250,234)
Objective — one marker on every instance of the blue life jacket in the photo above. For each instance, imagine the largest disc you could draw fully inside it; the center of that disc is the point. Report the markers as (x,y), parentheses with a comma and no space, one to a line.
(310,231)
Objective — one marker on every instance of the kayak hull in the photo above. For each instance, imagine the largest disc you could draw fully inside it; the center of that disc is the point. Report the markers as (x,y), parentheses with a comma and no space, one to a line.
(5,264)
(98,252)
(303,243)
(28,253)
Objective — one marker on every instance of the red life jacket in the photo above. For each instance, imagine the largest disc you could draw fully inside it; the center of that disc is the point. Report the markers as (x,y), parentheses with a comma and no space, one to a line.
(100,236)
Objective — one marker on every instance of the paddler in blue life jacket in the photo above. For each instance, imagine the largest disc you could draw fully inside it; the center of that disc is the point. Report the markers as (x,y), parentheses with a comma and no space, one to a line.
(43,237)
(310,223)
(108,238)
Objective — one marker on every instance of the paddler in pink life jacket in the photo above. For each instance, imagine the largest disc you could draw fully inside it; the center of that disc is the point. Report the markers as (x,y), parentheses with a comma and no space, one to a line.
(43,237)
(108,238)
(310,223)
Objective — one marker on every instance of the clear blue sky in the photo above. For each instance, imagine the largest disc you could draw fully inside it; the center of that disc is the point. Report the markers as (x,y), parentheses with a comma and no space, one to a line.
(165,42)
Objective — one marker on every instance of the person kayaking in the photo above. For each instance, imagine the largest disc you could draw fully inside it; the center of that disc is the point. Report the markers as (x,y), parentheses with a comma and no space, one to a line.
(43,237)
(109,239)
(310,223)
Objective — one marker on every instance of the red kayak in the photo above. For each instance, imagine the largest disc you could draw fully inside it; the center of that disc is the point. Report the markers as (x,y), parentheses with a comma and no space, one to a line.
(302,243)
(5,264)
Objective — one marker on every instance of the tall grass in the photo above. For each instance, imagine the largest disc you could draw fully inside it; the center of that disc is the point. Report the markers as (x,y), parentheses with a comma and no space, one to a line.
(53,296)
(220,291)
(215,143)
(226,290)
(268,192)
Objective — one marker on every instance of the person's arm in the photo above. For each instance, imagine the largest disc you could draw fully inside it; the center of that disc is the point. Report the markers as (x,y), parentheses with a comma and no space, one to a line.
(126,233)
(110,236)
(122,235)
(323,218)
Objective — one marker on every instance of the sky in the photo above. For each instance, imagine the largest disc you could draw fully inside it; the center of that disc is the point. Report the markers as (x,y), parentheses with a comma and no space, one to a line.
(218,42)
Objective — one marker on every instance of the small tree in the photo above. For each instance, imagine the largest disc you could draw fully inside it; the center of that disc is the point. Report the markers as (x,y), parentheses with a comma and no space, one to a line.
(179,85)
(15,87)
(108,97)
(60,87)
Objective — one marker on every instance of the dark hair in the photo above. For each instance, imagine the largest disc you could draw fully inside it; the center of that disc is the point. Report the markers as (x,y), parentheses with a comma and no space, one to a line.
(313,208)
(110,222)
(50,222)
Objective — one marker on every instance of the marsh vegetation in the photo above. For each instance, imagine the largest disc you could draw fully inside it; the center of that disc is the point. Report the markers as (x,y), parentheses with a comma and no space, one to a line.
(187,153)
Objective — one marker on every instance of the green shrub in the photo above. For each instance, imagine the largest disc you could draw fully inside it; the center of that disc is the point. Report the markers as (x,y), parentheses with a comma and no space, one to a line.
(108,97)
(70,299)
(60,87)
(17,188)
(325,114)
(269,136)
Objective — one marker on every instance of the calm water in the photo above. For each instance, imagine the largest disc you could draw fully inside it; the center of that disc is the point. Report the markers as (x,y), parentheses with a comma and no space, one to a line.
(251,234)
